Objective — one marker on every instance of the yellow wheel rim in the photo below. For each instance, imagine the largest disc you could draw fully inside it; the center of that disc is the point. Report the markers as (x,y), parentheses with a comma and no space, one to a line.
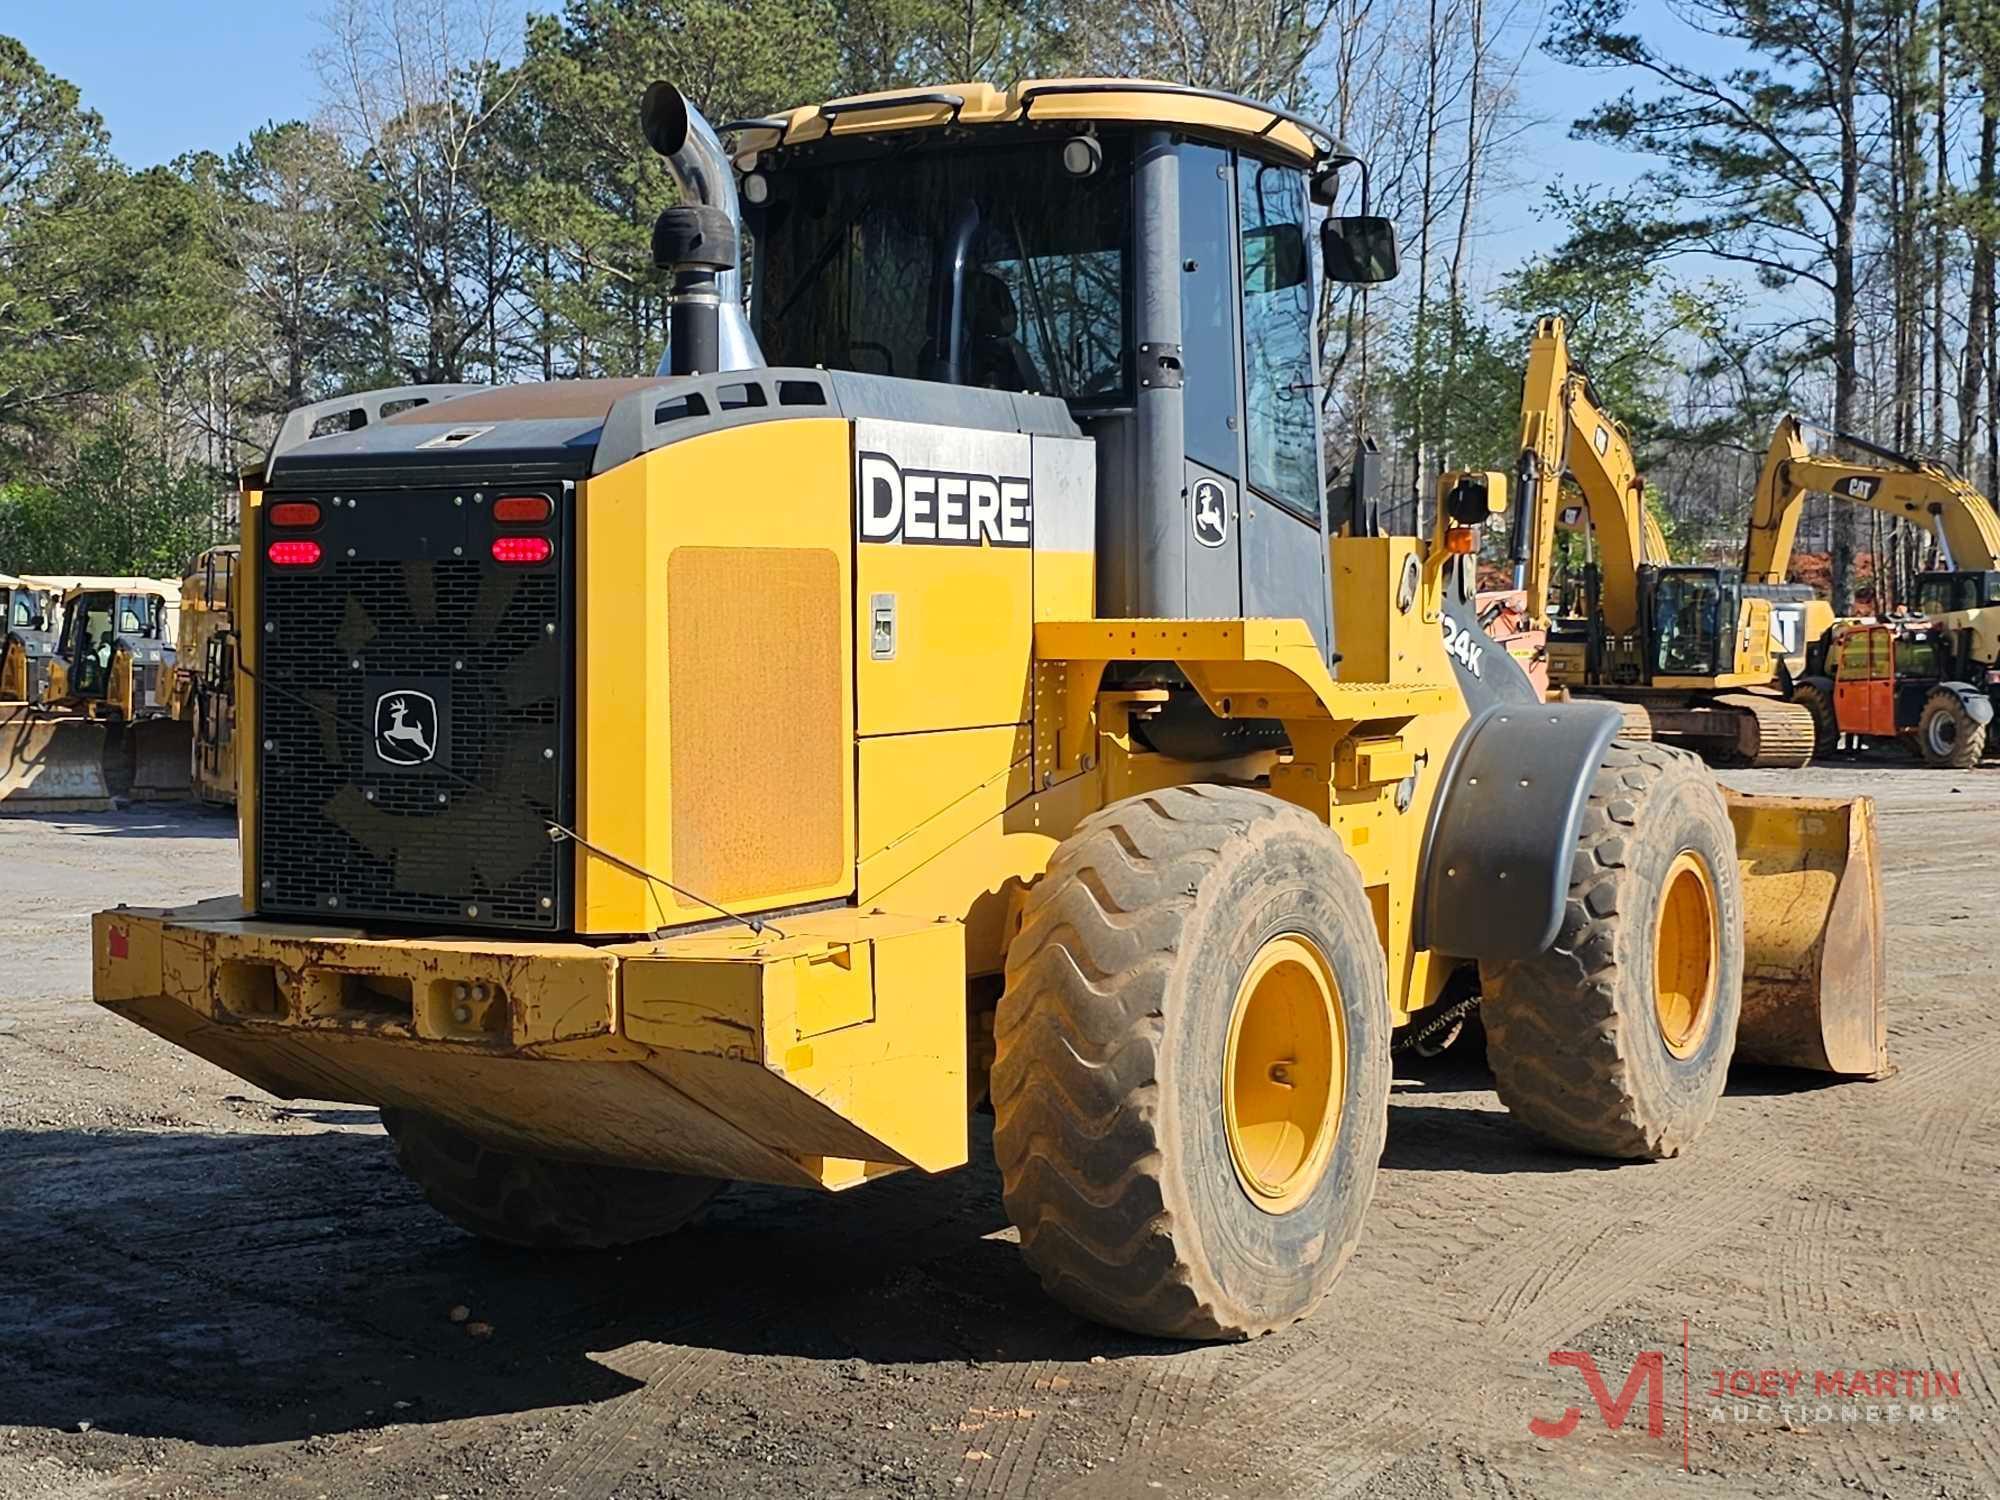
(1685,955)
(1284,1073)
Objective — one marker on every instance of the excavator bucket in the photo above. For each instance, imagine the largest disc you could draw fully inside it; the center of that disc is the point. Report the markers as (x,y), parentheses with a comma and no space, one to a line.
(51,765)
(1812,934)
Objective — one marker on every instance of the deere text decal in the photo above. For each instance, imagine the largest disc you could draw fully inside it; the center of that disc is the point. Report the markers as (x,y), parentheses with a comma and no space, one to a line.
(941,507)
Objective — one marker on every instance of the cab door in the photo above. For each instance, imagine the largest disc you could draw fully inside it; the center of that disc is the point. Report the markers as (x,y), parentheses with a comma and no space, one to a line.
(1864,694)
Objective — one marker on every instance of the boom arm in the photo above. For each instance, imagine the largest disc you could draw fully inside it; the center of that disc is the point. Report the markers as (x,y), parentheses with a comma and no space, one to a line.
(1957,515)
(1564,431)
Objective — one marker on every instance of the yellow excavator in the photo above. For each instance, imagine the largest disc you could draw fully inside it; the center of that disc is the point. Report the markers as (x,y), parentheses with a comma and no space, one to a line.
(1687,653)
(1930,681)
(944,685)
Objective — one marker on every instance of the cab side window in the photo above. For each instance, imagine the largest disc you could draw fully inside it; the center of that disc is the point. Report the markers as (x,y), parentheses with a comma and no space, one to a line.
(1280,423)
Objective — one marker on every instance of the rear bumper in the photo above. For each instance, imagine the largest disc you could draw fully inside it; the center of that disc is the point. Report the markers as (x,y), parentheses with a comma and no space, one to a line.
(818,1058)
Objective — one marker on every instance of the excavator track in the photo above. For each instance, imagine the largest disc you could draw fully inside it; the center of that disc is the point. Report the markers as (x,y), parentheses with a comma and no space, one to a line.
(1782,736)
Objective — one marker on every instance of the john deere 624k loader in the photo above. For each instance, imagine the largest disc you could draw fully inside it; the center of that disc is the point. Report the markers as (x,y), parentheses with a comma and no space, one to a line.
(946,683)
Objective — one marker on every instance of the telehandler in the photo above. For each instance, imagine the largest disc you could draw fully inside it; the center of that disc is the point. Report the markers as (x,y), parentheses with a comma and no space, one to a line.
(1689,654)
(943,684)
(1929,681)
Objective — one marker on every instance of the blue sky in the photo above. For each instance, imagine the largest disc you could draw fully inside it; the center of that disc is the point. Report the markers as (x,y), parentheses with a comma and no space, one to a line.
(155,70)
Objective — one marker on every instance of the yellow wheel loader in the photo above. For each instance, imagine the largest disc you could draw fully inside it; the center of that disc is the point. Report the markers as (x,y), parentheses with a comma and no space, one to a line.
(940,684)
(1690,654)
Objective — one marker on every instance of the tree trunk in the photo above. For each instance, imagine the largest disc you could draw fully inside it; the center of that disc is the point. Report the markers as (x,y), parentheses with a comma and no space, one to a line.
(1846,380)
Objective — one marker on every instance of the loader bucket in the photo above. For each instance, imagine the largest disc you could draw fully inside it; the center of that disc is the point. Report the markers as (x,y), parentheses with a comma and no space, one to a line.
(52,765)
(1812,934)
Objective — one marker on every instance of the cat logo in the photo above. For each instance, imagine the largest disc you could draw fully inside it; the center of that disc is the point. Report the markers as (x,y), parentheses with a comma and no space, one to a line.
(1464,645)
(1857,487)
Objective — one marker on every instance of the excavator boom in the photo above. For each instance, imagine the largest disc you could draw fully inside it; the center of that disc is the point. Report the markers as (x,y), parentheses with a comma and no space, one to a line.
(1921,491)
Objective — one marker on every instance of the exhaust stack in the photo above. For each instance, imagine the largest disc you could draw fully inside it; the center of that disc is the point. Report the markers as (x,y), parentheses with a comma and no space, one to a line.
(700,241)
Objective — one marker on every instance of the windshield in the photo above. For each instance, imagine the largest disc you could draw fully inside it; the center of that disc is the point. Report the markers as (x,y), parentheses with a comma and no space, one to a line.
(1687,610)
(993,268)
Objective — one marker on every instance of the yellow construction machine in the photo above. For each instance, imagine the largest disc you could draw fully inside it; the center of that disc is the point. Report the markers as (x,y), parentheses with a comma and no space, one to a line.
(204,696)
(942,683)
(1932,681)
(102,726)
(30,610)
(1688,653)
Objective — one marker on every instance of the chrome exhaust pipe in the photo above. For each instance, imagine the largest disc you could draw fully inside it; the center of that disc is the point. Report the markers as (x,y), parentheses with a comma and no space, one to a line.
(700,241)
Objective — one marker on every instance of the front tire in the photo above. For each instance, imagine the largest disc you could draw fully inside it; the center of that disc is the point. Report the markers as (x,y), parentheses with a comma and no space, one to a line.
(1192,1078)
(1616,1041)
(537,1201)
(1948,737)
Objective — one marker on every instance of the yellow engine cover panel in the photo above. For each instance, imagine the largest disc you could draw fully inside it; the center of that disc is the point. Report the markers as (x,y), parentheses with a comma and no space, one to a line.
(714,663)
(944,597)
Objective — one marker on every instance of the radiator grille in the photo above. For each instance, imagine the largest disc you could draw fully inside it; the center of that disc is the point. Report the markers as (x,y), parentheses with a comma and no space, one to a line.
(463,838)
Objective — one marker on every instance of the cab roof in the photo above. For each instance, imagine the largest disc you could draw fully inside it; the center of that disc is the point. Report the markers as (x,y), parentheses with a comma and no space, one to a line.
(169,588)
(1261,128)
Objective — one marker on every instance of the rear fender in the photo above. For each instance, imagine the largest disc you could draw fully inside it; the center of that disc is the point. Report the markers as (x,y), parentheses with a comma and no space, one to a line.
(1496,857)
(1978,707)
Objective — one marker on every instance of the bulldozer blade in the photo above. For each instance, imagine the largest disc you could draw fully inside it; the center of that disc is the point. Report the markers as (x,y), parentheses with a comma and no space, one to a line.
(53,765)
(1812,934)
(161,755)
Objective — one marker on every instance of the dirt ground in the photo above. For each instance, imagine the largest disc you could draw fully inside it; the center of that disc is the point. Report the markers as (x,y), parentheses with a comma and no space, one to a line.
(205,1291)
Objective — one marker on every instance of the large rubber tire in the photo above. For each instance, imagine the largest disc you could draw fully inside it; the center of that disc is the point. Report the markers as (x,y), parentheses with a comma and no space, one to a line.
(1109,1080)
(1815,695)
(1578,1049)
(538,1201)
(1947,735)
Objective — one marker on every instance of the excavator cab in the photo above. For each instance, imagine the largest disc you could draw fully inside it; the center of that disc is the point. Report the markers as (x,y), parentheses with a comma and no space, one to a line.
(1947,592)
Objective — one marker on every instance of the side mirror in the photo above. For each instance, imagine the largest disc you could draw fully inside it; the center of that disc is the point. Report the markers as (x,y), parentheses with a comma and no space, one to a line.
(1359,249)
(1472,497)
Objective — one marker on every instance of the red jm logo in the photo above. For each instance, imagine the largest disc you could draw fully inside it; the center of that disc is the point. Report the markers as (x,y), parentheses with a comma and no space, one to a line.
(1648,1370)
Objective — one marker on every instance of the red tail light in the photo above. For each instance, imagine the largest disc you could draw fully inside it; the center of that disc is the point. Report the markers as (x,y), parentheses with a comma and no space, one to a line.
(295,513)
(520,551)
(519,510)
(293,554)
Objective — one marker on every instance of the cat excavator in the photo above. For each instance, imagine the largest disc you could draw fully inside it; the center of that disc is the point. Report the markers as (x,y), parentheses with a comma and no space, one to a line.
(1930,681)
(1690,654)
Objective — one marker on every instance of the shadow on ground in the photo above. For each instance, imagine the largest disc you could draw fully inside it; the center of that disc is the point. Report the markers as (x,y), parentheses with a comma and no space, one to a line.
(234,1289)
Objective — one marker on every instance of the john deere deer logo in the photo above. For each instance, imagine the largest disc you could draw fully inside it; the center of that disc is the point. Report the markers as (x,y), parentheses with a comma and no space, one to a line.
(406,726)
(1211,513)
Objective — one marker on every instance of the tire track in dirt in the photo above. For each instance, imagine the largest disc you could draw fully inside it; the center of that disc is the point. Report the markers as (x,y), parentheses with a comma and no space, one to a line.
(1538,1302)
(1799,1271)
(1957,1333)
(1000,1436)
(590,1465)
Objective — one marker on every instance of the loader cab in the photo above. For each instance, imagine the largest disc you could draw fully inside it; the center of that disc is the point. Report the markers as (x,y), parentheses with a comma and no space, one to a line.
(1148,257)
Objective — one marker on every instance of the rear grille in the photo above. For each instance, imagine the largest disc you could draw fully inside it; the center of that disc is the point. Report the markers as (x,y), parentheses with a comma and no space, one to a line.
(356,825)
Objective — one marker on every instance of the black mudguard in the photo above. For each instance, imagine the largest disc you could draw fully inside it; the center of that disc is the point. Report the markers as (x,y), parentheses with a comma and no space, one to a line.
(1494,875)
(1978,706)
